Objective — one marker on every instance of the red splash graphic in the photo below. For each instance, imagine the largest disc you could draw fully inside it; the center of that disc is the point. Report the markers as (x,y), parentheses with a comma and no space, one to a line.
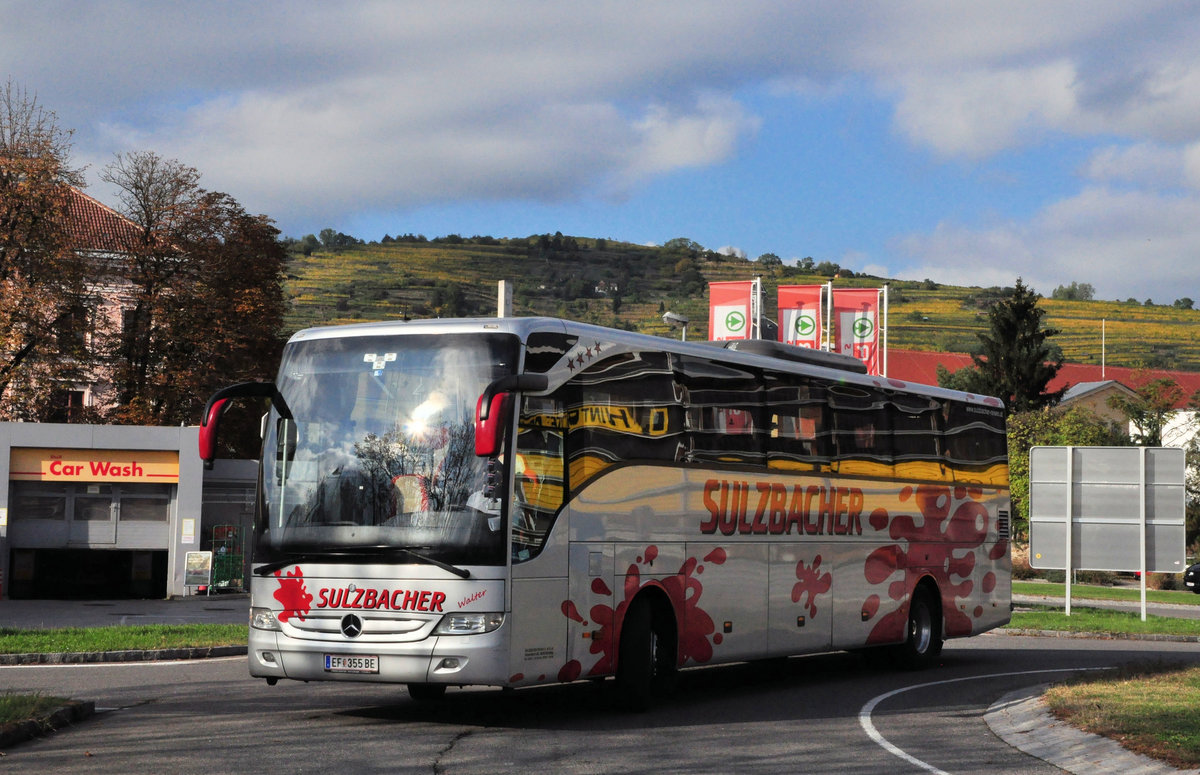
(570,671)
(812,583)
(292,594)
(571,612)
(696,631)
(952,527)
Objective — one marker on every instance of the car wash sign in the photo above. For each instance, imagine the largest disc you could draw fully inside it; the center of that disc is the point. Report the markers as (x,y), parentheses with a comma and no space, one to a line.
(28,464)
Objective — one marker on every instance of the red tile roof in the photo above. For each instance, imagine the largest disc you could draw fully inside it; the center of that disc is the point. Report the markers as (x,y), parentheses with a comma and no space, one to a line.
(95,226)
(921,367)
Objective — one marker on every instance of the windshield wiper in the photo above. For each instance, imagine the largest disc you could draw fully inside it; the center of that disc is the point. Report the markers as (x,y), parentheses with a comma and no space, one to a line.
(271,567)
(462,573)
(364,554)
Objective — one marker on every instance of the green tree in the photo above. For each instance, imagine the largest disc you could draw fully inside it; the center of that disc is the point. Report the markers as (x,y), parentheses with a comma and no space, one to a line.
(207,283)
(1149,410)
(1074,292)
(683,245)
(1015,361)
(1074,426)
(44,290)
(770,259)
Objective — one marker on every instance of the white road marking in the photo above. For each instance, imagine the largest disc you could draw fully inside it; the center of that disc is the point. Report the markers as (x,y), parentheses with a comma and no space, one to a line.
(864,715)
(147,663)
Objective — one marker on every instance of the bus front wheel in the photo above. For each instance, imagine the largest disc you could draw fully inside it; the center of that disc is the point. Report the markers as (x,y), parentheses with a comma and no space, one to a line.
(923,641)
(426,692)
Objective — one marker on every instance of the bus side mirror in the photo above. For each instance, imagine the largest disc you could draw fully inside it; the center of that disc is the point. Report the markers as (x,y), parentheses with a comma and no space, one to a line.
(491,418)
(208,431)
(220,400)
(494,406)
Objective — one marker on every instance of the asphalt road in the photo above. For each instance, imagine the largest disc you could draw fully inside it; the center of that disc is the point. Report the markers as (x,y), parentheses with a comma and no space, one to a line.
(826,713)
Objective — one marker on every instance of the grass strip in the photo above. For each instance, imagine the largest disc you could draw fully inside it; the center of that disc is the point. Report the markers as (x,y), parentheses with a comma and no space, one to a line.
(1090,592)
(1097,620)
(19,707)
(120,638)
(1148,708)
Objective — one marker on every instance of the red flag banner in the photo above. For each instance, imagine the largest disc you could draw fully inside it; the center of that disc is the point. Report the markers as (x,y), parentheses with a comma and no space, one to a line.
(729,310)
(856,311)
(800,315)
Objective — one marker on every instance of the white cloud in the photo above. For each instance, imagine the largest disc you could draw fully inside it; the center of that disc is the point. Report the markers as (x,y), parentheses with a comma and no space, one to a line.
(1127,244)
(312,111)
(1191,164)
(976,114)
(668,140)
(1143,164)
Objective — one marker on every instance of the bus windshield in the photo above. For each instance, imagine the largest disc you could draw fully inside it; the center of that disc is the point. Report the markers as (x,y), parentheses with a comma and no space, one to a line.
(378,454)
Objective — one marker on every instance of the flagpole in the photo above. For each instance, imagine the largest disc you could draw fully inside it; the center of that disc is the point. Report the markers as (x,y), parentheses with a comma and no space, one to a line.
(756,300)
(885,329)
(828,333)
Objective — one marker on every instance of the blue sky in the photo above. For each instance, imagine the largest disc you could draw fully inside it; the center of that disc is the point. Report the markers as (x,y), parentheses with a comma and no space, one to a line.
(970,143)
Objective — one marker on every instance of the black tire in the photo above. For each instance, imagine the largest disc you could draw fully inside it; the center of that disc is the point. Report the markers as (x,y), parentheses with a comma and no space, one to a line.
(426,692)
(923,639)
(646,656)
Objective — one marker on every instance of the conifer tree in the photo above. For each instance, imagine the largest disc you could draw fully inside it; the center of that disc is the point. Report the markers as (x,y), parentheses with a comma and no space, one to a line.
(1015,362)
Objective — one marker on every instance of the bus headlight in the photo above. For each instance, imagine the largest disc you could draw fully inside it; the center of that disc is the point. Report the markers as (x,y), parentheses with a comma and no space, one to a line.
(468,623)
(264,619)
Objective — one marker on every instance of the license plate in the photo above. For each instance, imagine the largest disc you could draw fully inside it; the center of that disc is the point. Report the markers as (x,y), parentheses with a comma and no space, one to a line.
(338,663)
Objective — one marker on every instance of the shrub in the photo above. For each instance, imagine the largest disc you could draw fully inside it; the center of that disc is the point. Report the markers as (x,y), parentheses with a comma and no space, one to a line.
(1164,581)
(1021,570)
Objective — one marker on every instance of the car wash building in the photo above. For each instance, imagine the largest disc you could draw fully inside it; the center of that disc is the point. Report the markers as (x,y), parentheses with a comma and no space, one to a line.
(100,511)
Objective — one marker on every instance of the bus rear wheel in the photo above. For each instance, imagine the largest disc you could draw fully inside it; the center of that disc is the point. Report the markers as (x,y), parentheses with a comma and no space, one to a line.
(646,656)
(923,642)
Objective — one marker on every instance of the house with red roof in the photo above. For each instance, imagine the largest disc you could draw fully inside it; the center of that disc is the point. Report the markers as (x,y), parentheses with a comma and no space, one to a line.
(1086,384)
(101,234)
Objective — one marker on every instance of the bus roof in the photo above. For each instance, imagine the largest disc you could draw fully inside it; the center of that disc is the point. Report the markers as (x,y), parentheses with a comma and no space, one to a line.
(760,353)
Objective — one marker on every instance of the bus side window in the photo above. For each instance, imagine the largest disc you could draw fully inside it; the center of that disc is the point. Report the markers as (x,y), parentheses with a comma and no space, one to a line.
(726,419)
(916,427)
(862,427)
(799,433)
(974,437)
(623,411)
(538,474)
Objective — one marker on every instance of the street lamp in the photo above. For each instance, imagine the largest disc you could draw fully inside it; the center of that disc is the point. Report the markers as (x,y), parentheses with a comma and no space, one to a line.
(675,320)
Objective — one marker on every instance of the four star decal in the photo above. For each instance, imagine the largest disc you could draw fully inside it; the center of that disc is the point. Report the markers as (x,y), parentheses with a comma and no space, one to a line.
(585,354)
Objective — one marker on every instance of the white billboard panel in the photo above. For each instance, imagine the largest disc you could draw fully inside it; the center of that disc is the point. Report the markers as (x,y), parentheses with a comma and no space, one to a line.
(1123,503)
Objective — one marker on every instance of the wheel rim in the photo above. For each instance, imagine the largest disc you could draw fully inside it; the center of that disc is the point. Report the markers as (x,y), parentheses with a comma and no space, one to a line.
(920,626)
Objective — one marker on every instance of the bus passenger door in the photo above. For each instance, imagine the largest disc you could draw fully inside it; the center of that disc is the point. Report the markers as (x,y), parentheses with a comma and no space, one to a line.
(727,586)
(800,604)
(591,600)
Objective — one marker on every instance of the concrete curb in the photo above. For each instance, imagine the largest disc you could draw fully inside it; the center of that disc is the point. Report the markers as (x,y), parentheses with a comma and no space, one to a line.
(64,715)
(1100,635)
(1021,719)
(132,655)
